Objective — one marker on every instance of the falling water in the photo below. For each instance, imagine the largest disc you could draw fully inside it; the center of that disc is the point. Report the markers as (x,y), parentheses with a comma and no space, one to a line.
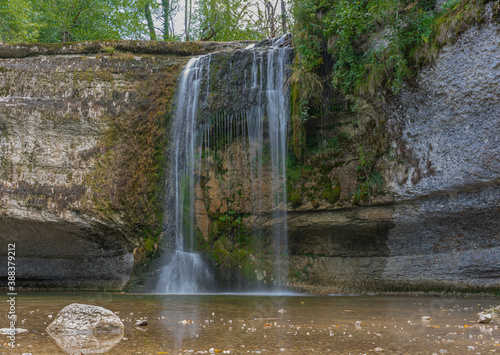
(185,271)
(194,136)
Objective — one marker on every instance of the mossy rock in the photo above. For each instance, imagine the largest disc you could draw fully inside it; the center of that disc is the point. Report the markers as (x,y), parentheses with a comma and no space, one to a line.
(295,199)
(332,194)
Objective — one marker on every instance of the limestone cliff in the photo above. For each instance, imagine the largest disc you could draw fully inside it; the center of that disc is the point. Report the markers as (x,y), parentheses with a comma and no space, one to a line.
(82,132)
(434,221)
(402,194)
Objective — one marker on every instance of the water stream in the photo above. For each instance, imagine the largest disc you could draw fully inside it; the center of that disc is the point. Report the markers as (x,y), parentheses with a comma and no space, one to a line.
(264,121)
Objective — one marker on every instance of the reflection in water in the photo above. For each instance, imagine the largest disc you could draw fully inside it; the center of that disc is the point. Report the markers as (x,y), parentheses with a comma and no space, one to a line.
(187,320)
(99,343)
(182,323)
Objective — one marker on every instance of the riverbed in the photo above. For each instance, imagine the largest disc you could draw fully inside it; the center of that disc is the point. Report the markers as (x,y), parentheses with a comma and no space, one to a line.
(261,324)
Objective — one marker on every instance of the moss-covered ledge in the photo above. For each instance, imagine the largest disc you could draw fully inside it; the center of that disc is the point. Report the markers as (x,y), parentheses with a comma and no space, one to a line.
(22,50)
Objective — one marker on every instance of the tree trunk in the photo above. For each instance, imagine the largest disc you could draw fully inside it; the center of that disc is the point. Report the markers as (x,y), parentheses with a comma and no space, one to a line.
(283,16)
(271,20)
(166,19)
(187,20)
(149,19)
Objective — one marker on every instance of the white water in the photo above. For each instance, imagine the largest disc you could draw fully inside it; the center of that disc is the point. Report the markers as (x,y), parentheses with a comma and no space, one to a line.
(185,271)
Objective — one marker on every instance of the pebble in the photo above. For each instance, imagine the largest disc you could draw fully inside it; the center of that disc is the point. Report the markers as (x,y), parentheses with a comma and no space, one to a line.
(141,323)
(484,318)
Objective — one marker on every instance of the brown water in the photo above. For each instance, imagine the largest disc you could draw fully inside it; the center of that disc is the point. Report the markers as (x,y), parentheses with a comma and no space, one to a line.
(239,324)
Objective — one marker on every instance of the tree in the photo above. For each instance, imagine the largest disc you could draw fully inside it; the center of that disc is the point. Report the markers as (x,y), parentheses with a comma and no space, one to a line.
(159,16)
(18,21)
(266,20)
(167,17)
(283,17)
(149,19)
(72,20)
(78,20)
(224,20)
(188,7)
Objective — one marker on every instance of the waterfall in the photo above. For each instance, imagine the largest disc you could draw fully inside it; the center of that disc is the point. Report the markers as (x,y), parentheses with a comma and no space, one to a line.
(185,271)
(204,134)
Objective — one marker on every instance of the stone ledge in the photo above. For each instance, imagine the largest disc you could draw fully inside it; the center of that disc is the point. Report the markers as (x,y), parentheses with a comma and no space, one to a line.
(22,50)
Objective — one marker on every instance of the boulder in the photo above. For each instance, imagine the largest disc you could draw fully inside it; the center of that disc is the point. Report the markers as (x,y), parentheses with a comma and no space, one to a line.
(85,319)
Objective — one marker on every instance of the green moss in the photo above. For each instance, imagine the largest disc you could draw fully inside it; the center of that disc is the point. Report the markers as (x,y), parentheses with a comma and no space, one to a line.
(332,194)
(108,49)
(5,168)
(130,161)
(234,247)
(295,199)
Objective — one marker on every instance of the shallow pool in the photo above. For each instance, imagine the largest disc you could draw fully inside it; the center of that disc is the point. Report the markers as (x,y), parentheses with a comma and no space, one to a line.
(259,324)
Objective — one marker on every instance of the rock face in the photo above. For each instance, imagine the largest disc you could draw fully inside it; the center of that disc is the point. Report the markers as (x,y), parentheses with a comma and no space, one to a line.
(71,122)
(428,220)
(436,223)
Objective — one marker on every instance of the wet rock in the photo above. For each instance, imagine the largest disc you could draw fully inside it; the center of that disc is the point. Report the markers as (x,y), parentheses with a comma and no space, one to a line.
(141,323)
(484,317)
(85,319)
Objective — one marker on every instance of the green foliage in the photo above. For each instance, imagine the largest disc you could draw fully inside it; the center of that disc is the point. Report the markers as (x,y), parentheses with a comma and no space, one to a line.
(408,33)
(224,20)
(370,186)
(18,21)
(78,20)
(71,20)
(360,70)
(308,34)
(370,182)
